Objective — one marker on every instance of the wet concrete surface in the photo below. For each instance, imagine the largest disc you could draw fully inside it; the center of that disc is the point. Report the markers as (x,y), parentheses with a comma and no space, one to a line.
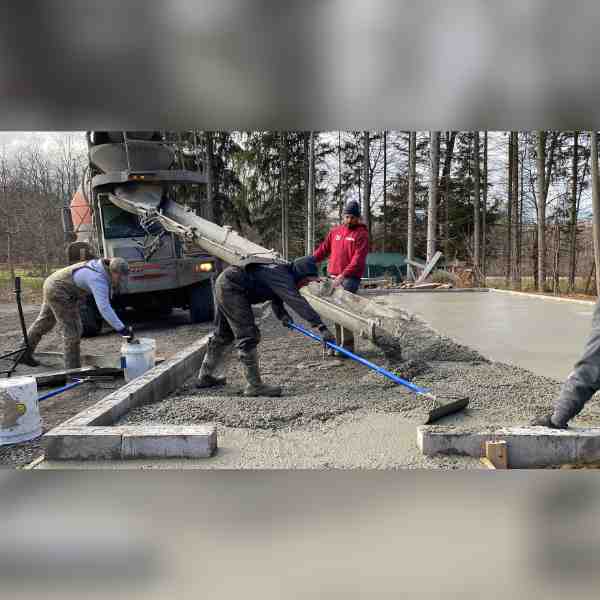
(543,336)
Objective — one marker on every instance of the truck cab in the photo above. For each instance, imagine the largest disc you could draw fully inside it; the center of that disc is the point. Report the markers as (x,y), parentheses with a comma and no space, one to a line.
(165,272)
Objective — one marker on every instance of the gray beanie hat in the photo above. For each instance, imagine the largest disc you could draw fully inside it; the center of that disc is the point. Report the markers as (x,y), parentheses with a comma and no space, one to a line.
(119,265)
(352,208)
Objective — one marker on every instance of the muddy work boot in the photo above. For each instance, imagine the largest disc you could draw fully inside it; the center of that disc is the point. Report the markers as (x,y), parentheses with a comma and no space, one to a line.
(212,358)
(546,421)
(254,383)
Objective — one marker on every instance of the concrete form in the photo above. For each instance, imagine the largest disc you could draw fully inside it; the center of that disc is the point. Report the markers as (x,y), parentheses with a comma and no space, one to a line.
(89,435)
(527,447)
(386,291)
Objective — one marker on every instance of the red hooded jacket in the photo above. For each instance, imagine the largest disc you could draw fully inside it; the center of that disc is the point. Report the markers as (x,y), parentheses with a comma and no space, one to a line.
(347,250)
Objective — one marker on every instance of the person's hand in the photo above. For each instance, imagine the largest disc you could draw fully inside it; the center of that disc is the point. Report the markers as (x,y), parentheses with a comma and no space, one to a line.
(338,281)
(286,320)
(127,332)
(326,335)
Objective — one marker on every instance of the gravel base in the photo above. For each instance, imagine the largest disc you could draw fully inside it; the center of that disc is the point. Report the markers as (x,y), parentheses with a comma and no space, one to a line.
(325,396)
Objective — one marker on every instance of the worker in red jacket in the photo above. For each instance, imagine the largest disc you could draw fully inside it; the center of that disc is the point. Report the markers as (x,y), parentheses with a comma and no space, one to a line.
(347,246)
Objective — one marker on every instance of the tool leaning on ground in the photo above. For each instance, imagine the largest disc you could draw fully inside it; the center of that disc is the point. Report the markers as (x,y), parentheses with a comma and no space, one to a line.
(455,404)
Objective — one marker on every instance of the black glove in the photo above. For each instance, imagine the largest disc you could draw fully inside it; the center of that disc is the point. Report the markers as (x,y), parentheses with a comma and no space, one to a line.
(326,335)
(127,332)
(286,320)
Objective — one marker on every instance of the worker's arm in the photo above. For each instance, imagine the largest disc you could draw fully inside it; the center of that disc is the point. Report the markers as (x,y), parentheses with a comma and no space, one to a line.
(356,266)
(279,310)
(101,292)
(283,286)
(322,252)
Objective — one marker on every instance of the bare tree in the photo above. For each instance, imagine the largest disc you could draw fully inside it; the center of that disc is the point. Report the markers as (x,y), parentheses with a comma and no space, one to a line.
(484,208)
(310,233)
(445,186)
(434,159)
(385,224)
(366,177)
(285,220)
(596,208)
(573,222)
(476,206)
(412,161)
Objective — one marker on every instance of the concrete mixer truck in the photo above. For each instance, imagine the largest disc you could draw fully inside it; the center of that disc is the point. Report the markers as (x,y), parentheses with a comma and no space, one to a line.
(165,271)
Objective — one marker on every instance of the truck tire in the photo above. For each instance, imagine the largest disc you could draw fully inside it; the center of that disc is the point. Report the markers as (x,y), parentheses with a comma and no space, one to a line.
(202,306)
(90,318)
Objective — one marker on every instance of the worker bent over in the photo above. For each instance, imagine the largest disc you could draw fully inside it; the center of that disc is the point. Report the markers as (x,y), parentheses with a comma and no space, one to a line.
(64,290)
(347,246)
(236,290)
(581,384)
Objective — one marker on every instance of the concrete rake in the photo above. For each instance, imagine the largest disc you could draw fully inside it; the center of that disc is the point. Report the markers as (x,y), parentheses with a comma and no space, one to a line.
(440,405)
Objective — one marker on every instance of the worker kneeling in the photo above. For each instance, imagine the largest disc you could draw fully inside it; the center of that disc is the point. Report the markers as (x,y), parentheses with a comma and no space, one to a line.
(64,290)
(236,290)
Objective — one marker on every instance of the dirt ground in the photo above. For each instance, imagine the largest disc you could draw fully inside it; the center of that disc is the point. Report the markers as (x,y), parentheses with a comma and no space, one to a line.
(171,335)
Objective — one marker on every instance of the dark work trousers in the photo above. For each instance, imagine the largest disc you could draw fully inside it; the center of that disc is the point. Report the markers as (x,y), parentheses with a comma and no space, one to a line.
(234,319)
(345,337)
(584,380)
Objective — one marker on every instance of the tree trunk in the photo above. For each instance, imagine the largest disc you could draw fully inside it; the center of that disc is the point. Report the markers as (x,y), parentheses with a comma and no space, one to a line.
(573,223)
(384,190)
(541,217)
(285,221)
(366,198)
(210,196)
(412,161)
(556,261)
(476,206)
(434,159)
(509,211)
(484,208)
(340,199)
(514,279)
(445,185)
(596,208)
(310,235)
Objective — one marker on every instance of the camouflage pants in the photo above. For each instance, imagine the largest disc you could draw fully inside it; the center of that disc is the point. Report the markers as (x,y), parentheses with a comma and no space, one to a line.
(60,305)
(234,319)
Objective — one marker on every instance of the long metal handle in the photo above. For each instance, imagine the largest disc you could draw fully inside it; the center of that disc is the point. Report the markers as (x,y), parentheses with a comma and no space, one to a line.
(20,309)
(60,390)
(363,361)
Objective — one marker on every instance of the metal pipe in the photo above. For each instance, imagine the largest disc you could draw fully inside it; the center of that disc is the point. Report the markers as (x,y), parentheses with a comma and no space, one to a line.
(20,309)
(364,361)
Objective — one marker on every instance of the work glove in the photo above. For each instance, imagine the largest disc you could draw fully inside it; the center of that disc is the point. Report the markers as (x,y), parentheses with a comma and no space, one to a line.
(286,320)
(127,332)
(326,335)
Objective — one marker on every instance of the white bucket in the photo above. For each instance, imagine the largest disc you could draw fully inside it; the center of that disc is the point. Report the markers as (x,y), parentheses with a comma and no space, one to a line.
(20,419)
(137,358)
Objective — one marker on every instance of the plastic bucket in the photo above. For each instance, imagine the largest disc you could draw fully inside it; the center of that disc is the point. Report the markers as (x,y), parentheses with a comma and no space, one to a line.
(137,358)
(20,419)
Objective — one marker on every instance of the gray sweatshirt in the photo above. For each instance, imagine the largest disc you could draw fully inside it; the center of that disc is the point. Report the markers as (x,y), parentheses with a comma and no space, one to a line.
(96,281)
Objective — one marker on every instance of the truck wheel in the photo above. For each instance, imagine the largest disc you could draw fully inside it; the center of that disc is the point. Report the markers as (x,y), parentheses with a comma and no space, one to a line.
(202,307)
(90,319)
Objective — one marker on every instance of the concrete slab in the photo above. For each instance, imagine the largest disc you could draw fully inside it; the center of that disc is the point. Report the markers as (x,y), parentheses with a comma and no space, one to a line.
(89,435)
(517,329)
(527,446)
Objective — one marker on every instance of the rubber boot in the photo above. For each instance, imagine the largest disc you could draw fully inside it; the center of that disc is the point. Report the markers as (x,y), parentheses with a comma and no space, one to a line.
(27,359)
(254,383)
(212,358)
(546,421)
